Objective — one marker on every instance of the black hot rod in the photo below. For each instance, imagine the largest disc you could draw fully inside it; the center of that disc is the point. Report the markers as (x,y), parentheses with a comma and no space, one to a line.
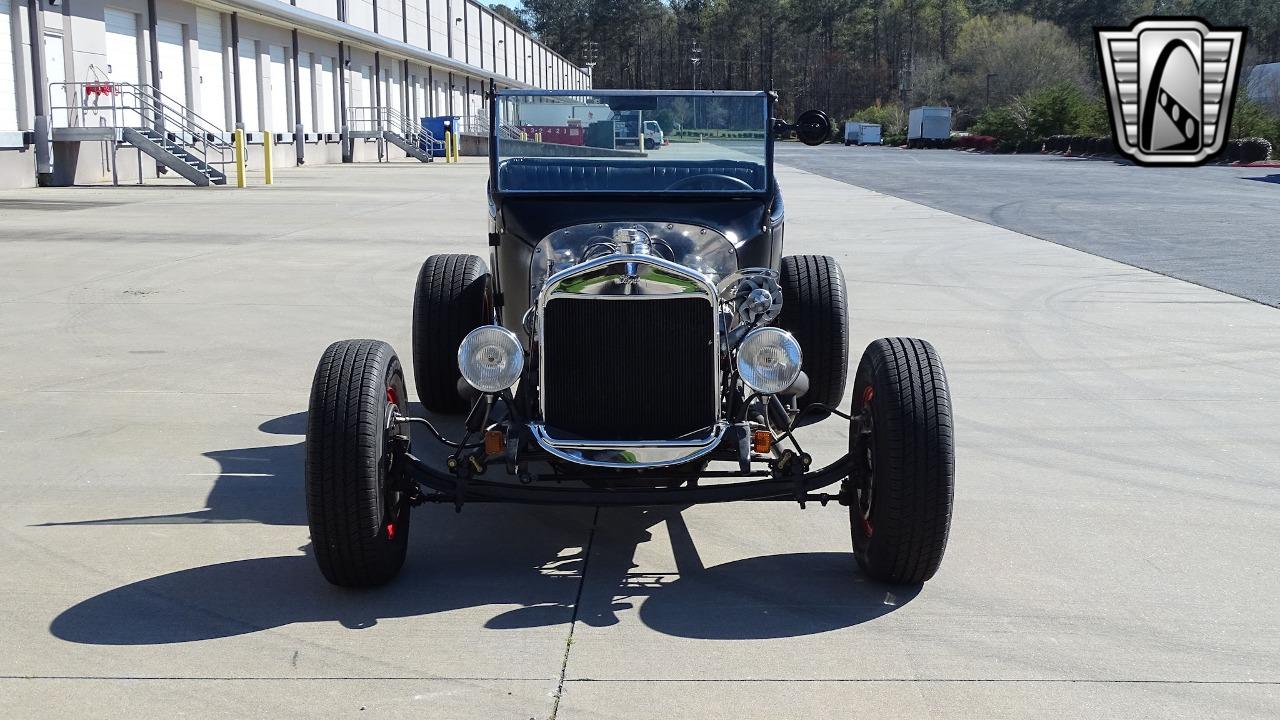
(636,337)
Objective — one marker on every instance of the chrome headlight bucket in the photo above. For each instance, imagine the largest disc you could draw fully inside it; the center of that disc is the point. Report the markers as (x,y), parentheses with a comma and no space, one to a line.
(490,358)
(705,251)
(769,360)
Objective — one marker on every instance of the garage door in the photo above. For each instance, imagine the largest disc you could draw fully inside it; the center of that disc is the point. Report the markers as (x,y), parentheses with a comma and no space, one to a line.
(248,58)
(122,45)
(122,55)
(212,87)
(173,61)
(362,89)
(305,87)
(55,72)
(328,105)
(8,88)
(278,88)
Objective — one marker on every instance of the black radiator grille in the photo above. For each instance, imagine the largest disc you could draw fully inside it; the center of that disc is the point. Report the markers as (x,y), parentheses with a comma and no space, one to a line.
(629,369)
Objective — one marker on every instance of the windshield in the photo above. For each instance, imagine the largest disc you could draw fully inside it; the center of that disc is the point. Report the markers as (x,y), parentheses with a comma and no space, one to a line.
(631,141)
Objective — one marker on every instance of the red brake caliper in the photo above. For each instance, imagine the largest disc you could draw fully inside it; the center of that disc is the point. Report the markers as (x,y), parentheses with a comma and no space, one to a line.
(391,398)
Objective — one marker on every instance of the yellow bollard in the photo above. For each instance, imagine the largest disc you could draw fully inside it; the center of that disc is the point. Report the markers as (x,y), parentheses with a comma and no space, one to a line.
(457,147)
(239,142)
(267,176)
(448,146)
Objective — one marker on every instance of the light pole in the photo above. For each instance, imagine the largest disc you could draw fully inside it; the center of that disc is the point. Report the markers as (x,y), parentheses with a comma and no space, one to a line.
(695,57)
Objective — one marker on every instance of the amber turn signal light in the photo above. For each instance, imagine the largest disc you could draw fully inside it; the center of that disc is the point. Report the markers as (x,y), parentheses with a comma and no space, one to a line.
(762,442)
(494,442)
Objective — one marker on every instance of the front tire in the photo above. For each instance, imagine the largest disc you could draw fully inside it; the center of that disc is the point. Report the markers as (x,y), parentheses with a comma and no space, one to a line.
(815,310)
(451,300)
(356,509)
(902,477)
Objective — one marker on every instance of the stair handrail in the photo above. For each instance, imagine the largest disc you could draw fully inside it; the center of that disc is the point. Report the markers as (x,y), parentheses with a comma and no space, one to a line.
(145,95)
(509,131)
(144,107)
(191,117)
(374,118)
(406,126)
(166,116)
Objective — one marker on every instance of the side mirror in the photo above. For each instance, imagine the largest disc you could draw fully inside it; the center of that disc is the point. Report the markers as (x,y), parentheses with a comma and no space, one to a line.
(813,127)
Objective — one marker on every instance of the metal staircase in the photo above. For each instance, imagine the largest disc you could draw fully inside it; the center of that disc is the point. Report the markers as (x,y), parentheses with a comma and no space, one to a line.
(175,156)
(392,126)
(141,116)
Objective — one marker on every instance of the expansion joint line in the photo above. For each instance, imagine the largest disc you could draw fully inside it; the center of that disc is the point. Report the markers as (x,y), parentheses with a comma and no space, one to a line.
(573,620)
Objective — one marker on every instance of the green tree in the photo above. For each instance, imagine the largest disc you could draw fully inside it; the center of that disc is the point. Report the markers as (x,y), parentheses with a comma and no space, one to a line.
(1059,109)
(1013,55)
(511,15)
(1253,119)
(891,118)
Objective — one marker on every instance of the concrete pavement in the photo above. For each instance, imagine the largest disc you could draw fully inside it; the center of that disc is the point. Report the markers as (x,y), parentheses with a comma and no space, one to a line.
(1112,552)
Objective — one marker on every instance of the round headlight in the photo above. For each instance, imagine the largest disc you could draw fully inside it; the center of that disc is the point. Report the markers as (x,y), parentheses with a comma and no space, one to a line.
(769,360)
(490,358)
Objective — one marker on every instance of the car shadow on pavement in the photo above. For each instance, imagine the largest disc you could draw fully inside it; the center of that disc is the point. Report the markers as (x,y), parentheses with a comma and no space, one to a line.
(532,557)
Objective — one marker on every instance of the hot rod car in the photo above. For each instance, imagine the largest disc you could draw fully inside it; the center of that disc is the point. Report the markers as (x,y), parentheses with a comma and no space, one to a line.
(636,337)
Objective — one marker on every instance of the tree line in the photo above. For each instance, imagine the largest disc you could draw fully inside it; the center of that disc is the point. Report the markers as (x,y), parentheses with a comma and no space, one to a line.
(844,56)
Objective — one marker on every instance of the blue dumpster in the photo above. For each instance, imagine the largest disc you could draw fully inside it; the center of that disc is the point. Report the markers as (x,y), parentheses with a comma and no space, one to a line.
(437,127)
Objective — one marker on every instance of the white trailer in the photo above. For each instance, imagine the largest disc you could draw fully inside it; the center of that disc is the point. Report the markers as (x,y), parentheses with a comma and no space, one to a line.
(860,133)
(928,125)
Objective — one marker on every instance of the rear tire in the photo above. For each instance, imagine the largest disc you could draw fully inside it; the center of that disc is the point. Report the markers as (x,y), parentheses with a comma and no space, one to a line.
(356,511)
(902,478)
(451,300)
(815,310)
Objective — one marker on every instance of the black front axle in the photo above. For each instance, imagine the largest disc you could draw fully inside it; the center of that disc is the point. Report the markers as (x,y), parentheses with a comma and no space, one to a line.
(799,486)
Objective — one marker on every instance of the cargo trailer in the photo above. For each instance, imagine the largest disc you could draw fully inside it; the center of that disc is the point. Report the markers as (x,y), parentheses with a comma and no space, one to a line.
(860,133)
(928,126)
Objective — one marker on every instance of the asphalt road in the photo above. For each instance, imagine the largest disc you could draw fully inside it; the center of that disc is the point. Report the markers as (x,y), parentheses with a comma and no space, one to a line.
(1217,226)
(1112,554)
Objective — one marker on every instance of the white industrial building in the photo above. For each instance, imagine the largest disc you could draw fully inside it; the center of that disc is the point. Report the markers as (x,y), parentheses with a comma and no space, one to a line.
(86,85)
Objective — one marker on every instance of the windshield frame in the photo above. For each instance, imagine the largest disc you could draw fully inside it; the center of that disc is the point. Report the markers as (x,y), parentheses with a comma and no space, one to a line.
(769,186)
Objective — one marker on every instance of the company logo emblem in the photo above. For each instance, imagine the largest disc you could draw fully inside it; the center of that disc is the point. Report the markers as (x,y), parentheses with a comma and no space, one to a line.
(1170,84)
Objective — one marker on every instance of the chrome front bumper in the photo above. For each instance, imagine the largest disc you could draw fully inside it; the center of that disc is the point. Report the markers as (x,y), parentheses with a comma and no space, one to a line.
(633,454)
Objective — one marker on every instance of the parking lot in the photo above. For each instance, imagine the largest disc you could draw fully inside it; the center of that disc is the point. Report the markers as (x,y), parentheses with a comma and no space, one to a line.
(1214,225)
(1117,508)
